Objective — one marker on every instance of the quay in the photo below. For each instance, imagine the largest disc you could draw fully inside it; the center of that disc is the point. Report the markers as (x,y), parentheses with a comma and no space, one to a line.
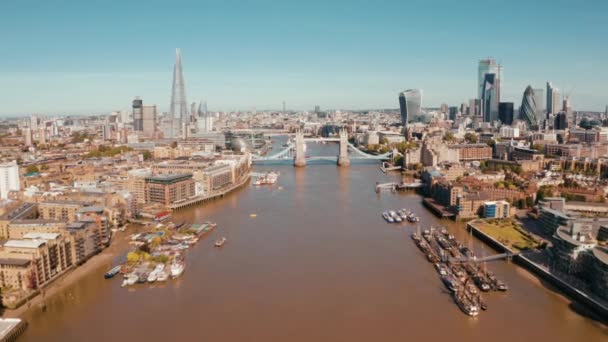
(210,197)
(571,291)
(438,209)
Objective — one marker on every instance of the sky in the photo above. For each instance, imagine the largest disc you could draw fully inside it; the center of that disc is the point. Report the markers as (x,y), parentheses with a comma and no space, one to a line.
(81,57)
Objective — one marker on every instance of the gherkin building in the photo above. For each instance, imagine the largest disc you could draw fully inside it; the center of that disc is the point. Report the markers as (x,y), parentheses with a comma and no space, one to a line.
(527,111)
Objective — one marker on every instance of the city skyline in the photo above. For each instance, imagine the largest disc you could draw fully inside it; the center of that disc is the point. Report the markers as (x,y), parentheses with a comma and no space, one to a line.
(253,56)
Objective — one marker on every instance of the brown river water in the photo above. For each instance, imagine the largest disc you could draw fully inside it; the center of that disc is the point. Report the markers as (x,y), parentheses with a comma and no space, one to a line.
(318,263)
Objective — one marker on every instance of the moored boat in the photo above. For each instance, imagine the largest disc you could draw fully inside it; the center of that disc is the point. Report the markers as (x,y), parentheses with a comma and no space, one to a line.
(111,273)
(220,242)
(162,276)
(177,268)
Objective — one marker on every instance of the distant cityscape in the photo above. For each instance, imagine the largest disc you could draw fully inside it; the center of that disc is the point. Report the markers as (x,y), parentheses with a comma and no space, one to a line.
(69,184)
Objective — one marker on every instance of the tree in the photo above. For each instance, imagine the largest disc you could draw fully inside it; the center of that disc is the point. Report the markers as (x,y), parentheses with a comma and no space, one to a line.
(529,202)
(32,169)
(544,192)
(147,155)
(44,167)
(449,137)
(471,138)
(174,144)
(132,257)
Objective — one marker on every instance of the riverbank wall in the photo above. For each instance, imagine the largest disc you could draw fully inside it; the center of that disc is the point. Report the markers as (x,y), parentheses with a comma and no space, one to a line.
(212,196)
(574,293)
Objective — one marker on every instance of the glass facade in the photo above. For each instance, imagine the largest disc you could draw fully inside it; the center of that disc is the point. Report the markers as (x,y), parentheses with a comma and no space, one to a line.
(489,99)
(410,103)
(527,111)
(489,66)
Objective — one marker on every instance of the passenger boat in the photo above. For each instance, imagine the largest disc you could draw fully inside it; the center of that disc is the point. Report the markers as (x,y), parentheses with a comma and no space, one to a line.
(111,273)
(268,178)
(177,268)
(220,242)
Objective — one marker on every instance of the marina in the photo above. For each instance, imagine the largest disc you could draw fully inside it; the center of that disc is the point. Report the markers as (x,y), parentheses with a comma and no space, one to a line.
(458,269)
(158,254)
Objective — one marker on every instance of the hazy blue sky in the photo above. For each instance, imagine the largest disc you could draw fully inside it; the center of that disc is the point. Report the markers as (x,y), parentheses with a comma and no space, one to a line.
(95,56)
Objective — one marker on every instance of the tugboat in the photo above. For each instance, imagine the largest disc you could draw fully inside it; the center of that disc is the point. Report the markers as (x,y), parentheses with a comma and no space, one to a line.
(220,242)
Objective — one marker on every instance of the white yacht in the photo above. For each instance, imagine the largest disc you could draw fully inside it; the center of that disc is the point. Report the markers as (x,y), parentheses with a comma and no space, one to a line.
(177,268)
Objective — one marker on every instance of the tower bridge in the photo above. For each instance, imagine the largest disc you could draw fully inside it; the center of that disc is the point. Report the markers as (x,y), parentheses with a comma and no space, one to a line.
(294,151)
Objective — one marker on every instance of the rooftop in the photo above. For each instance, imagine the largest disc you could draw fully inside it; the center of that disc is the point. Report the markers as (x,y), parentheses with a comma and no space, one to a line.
(7,325)
(601,253)
(91,209)
(34,221)
(34,243)
(42,236)
(14,262)
(170,178)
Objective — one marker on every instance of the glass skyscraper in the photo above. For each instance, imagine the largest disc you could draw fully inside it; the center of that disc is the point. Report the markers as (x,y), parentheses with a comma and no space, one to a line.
(505,113)
(527,111)
(489,98)
(410,103)
(489,66)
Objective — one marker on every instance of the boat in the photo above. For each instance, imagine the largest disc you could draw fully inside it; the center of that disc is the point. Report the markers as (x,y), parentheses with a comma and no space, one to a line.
(501,286)
(142,277)
(481,283)
(111,273)
(177,268)
(388,217)
(440,269)
(402,214)
(132,279)
(220,242)
(152,277)
(162,276)
(450,283)
(466,306)
(395,217)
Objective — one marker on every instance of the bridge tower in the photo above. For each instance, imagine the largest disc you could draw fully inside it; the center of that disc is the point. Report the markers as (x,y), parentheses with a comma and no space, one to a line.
(299,159)
(343,156)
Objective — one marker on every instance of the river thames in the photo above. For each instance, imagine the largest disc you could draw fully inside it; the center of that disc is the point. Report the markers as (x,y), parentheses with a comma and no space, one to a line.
(317,263)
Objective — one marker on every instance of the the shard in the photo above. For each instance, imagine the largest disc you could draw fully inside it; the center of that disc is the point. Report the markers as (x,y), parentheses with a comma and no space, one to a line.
(179,105)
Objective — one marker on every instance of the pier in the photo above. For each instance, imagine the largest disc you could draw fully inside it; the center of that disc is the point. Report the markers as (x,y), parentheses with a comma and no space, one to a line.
(459,269)
(438,209)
